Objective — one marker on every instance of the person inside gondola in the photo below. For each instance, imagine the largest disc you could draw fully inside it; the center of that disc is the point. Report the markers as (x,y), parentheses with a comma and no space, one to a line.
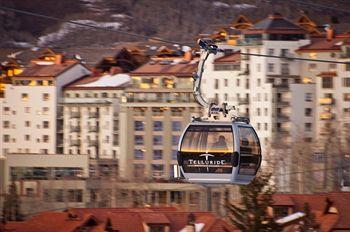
(220,144)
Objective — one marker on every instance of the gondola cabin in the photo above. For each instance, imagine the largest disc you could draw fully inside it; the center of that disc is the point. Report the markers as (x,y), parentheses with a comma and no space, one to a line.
(219,152)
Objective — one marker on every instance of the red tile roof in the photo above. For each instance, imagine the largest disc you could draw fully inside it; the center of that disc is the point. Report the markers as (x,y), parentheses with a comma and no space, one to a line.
(156,68)
(120,219)
(318,204)
(321,44)
(52,70)
(230,58)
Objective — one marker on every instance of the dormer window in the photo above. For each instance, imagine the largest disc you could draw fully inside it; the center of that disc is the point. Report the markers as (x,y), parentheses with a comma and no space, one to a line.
(157,228)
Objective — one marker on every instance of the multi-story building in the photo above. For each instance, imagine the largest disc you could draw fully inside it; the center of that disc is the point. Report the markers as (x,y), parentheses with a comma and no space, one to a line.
(30,104)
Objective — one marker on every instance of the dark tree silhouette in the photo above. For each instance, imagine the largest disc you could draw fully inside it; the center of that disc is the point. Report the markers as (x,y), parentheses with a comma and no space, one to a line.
(252,213)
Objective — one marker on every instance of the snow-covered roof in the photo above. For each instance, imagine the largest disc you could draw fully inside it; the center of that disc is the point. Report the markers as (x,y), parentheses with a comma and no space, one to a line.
(290,218)
(116,80)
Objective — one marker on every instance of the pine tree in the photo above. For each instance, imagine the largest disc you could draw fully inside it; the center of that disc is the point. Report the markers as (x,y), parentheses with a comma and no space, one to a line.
(309,224)
(11,208)
(252,215)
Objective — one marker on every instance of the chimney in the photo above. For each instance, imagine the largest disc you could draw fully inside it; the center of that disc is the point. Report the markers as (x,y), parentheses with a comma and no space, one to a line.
(188,55)
(58,59)
(329,32)
(190,227)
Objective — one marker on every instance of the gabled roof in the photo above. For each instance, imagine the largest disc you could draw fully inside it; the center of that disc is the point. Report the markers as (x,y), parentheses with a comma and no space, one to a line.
(275,24)
(229,58)
(324,45)
(52,70)
(160,68)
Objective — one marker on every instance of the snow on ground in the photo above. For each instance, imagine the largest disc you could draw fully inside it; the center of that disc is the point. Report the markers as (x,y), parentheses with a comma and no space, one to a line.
(69,27)
(120,16)
(243,6)
(221,4)
(109,81)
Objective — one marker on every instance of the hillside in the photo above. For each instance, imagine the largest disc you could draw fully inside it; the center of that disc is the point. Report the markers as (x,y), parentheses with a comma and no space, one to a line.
(179,20)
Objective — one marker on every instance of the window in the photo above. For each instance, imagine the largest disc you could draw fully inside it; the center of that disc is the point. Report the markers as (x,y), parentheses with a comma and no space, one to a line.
(6,138)
(157,170)
(46,96)
(327,82)
(226,82)
(271,51)
(308,112)
(104,95)
(312,67)
(27,123)
(157,154)
(265,126)
(174,154)
(346,82)
(216,85)
(138,154)
(284,52)
(347,67)
(175,140)
(25,97)
(157,140)
(176,125)
(45,138)
(258,67)
(157,125)
(346,96)
(308,140)
(266,111)
(270,67)
(258,111)
(138,139)
(237,82)
(27,137)
(308,97)
(308,126)
(225,97)
(139,170)
(332,67)
(27,109)
(259,82)
(45,110)
(6,110)
(46,124)
(6,124)
(139,126)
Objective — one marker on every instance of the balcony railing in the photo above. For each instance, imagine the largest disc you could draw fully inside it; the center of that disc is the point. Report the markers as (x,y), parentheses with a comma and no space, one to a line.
(75,115)
(75,129)
(93,115)
(243,101)
(249,42)
(75,143)
(326,101)
(327,116)
(282,131)
(285,72)
(93,143)
(283,103)
(93,129)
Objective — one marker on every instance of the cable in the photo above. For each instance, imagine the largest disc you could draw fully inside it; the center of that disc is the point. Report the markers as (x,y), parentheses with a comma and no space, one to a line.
(154,38)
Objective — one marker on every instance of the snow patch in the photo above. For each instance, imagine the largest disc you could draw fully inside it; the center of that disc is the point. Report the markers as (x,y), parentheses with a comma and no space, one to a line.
(243,6)
(186,48)
(69,27)
(109,81)
(21,44)
(221,4)
(120,16)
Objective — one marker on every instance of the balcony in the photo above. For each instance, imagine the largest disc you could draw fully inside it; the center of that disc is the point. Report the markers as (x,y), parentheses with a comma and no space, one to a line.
(326,101)
(249,42)
(281,117)
(285,72)
(93,115)
(283,103)
(75,143)
(93,129)
(93,143)
(74,129)
(75,115)
(243,101)
(282,131)
(327,116)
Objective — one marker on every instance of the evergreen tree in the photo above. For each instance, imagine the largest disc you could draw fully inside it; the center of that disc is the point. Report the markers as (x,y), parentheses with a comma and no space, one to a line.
(11,208)
(309,224)
(252,215)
